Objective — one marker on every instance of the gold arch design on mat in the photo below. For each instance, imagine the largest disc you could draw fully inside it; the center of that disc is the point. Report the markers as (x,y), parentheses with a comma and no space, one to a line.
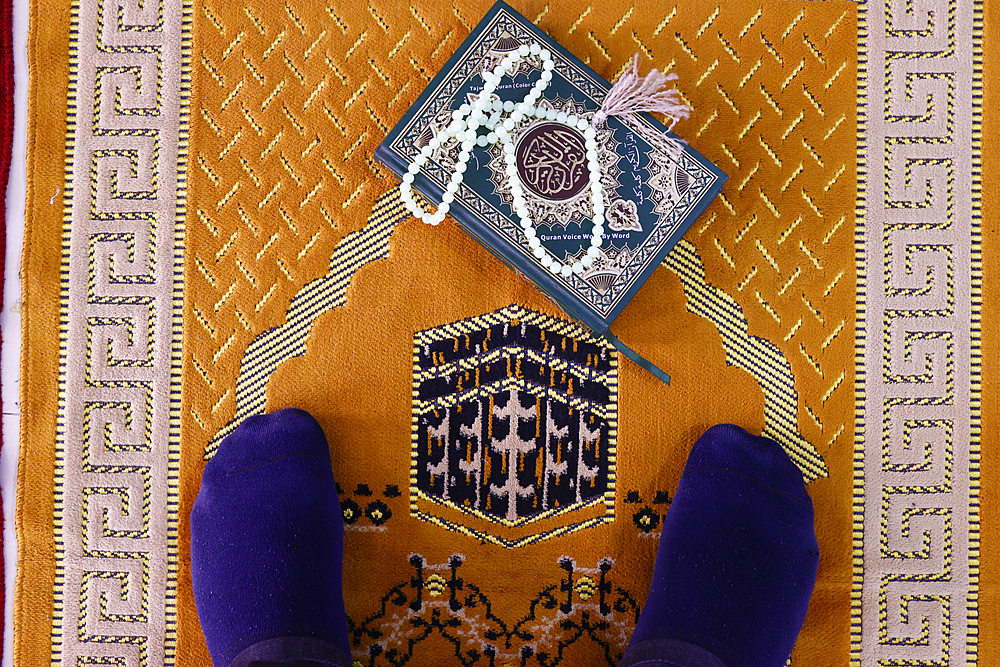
(277,345)
(757,356)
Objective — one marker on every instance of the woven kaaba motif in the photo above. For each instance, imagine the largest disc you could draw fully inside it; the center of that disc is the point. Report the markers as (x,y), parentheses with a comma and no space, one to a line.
(514,421)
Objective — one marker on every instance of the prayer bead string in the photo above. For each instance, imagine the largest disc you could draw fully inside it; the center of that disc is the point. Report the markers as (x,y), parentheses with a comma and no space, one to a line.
(488,116)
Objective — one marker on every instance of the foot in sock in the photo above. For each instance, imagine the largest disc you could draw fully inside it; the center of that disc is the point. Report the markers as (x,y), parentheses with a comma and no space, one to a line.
(737,558)
(267,539)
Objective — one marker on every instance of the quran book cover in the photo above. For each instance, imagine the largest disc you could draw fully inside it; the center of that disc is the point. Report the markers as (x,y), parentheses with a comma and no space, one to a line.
(651,197)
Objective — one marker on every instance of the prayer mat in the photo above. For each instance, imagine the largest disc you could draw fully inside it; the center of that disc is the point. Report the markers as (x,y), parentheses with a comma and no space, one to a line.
(209,237)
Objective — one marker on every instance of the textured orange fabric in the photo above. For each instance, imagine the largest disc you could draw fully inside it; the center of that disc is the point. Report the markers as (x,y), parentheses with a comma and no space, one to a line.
(291,105)
(36,560)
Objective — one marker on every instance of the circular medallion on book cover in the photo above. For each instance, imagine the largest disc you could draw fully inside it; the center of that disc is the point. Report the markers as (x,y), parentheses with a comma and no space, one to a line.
(552,161)
(552,164)
(515,420)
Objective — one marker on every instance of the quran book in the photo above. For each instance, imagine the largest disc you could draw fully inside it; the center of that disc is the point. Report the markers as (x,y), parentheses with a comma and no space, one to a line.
(652,195)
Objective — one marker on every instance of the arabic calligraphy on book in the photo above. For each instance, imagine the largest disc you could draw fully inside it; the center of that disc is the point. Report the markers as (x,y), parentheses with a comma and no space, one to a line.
(552,161)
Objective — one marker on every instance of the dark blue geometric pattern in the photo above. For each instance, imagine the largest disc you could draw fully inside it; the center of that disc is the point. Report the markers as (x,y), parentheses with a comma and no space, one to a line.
(515,419)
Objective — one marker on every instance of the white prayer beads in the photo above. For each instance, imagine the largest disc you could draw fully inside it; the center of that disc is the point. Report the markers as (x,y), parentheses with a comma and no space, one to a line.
(497,119)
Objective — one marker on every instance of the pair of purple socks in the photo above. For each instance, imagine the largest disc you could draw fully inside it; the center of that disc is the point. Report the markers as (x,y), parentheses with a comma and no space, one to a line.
(735,568)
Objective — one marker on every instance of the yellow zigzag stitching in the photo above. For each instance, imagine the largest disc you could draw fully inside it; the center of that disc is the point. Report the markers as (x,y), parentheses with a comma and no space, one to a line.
(272,348)
(757,356)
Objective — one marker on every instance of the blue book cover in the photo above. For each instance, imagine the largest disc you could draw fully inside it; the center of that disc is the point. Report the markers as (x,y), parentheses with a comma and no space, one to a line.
(651,197)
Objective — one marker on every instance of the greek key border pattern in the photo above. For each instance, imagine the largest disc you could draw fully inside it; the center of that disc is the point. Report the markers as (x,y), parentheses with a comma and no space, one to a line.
(918,248)
(118,431)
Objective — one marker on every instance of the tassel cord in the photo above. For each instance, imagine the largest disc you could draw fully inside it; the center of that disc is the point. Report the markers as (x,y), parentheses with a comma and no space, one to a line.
(632,94)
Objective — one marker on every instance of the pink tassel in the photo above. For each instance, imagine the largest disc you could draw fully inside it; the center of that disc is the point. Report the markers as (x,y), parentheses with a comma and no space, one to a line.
(631,95)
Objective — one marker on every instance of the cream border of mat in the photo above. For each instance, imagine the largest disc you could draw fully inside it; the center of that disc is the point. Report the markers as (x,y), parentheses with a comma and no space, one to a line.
(118,434)
(918,387)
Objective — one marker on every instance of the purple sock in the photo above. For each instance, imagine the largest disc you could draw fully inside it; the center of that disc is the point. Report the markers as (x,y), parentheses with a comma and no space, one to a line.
(267,539)
(737,558)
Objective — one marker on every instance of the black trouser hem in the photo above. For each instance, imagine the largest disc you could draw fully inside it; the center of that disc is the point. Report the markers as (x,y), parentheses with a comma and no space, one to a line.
(292,652)
(668,653)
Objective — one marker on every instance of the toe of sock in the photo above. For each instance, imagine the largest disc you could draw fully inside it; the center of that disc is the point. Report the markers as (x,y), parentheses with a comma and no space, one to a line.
(738,557)
(267,538)
(261,439)
(729,447)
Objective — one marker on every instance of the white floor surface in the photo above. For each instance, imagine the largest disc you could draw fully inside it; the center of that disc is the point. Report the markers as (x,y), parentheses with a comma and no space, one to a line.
(10,319)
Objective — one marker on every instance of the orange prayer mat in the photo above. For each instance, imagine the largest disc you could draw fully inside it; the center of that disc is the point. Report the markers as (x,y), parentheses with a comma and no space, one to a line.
(209,237)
